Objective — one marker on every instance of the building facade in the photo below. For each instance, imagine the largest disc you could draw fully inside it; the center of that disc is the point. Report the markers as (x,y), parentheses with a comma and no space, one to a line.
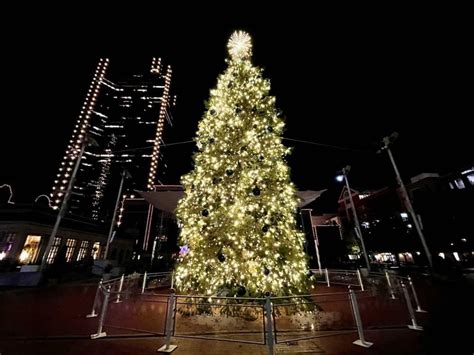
(26,229)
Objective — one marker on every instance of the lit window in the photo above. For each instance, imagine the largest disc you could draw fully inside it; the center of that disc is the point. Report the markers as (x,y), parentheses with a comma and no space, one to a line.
(404,216)
(71,245)
(459,184)
(96,250)
(30,251)
(82,250)
(6,243)
(54,250)
(470,178)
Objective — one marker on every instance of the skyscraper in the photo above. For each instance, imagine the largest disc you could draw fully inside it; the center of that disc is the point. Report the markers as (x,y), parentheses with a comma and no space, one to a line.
(125,115)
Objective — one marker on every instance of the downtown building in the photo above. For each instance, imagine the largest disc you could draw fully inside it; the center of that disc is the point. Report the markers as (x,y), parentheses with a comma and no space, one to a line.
(120,126)
(125,118)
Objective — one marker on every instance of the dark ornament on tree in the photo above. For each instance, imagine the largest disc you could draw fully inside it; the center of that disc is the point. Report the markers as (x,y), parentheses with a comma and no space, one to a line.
(212,112)
(205,213)
(215,180)
(270,129)
(261,157)
(256,191)
(230,85)
(221,257)
(266,271)
(211,140)
(229,172)
(243,149)
(241,291)
(238,110)
(265,228)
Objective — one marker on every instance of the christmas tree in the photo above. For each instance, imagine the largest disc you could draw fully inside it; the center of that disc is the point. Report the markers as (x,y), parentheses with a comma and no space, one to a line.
(238,228)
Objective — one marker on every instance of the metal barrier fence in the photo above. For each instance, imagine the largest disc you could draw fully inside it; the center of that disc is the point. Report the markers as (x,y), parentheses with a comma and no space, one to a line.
(145,304)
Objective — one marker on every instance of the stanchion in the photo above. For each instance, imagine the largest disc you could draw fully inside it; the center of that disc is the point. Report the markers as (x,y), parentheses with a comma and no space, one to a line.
(269,324)
(392,294)
(360,330)
(413,324)
(144,282)
(120,289)
(100,333)
(415,296)
(168,347)
(172,280)
(327,277)
(359,277)
(93,313)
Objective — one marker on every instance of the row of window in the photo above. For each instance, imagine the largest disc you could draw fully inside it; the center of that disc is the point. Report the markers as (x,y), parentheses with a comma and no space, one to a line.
(33,244)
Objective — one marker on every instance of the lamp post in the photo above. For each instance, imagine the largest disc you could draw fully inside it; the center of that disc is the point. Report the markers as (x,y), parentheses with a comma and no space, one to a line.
(340,178)
(405,198)
(67,195)
(125,175)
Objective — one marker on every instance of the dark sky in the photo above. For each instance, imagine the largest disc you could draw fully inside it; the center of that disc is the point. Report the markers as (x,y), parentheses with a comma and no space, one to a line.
(339,80)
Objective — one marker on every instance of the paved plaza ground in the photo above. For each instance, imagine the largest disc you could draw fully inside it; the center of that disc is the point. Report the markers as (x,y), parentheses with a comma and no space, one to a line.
(51,320)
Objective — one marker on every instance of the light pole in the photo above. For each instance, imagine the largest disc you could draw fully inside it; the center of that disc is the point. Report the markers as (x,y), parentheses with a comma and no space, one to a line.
(405,198)
(125,175)
(345,171)
(67,195)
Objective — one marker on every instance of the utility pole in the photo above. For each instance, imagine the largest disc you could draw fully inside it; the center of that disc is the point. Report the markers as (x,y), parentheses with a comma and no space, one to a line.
(63,208)
(405,198)
(345,171)
(125,175)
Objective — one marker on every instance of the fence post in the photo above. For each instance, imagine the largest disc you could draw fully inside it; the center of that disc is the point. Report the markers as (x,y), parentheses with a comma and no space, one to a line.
(359,277)
(392,294)
(415,296)
(268,315)
(360,330)
(93,314)
(327,277)
(100,333)
(172,280)
(168,347)
(120,289)
(144,282)
(413,324)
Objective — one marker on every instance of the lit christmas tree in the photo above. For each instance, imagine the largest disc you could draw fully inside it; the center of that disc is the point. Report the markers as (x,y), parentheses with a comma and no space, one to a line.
(239,234)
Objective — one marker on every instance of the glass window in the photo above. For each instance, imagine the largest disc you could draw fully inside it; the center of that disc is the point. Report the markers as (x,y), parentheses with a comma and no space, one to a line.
(470,178)
(459,184)
(96,250)
(82,250)
(6,243)
(30,251)
(71,246)
(54,250)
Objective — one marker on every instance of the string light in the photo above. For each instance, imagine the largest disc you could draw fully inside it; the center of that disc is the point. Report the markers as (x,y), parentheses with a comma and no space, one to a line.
(159,129)
(9,201)
(78,137)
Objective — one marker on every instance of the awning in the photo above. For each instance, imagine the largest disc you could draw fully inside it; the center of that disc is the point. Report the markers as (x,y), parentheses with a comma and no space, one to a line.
(167,199)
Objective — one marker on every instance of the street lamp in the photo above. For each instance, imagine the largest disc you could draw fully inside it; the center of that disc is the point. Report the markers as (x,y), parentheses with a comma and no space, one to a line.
(125,175)
(358,231)
(405,198)
(62,211)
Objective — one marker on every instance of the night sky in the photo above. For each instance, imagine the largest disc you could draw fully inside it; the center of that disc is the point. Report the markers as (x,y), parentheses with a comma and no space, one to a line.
(338,80)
